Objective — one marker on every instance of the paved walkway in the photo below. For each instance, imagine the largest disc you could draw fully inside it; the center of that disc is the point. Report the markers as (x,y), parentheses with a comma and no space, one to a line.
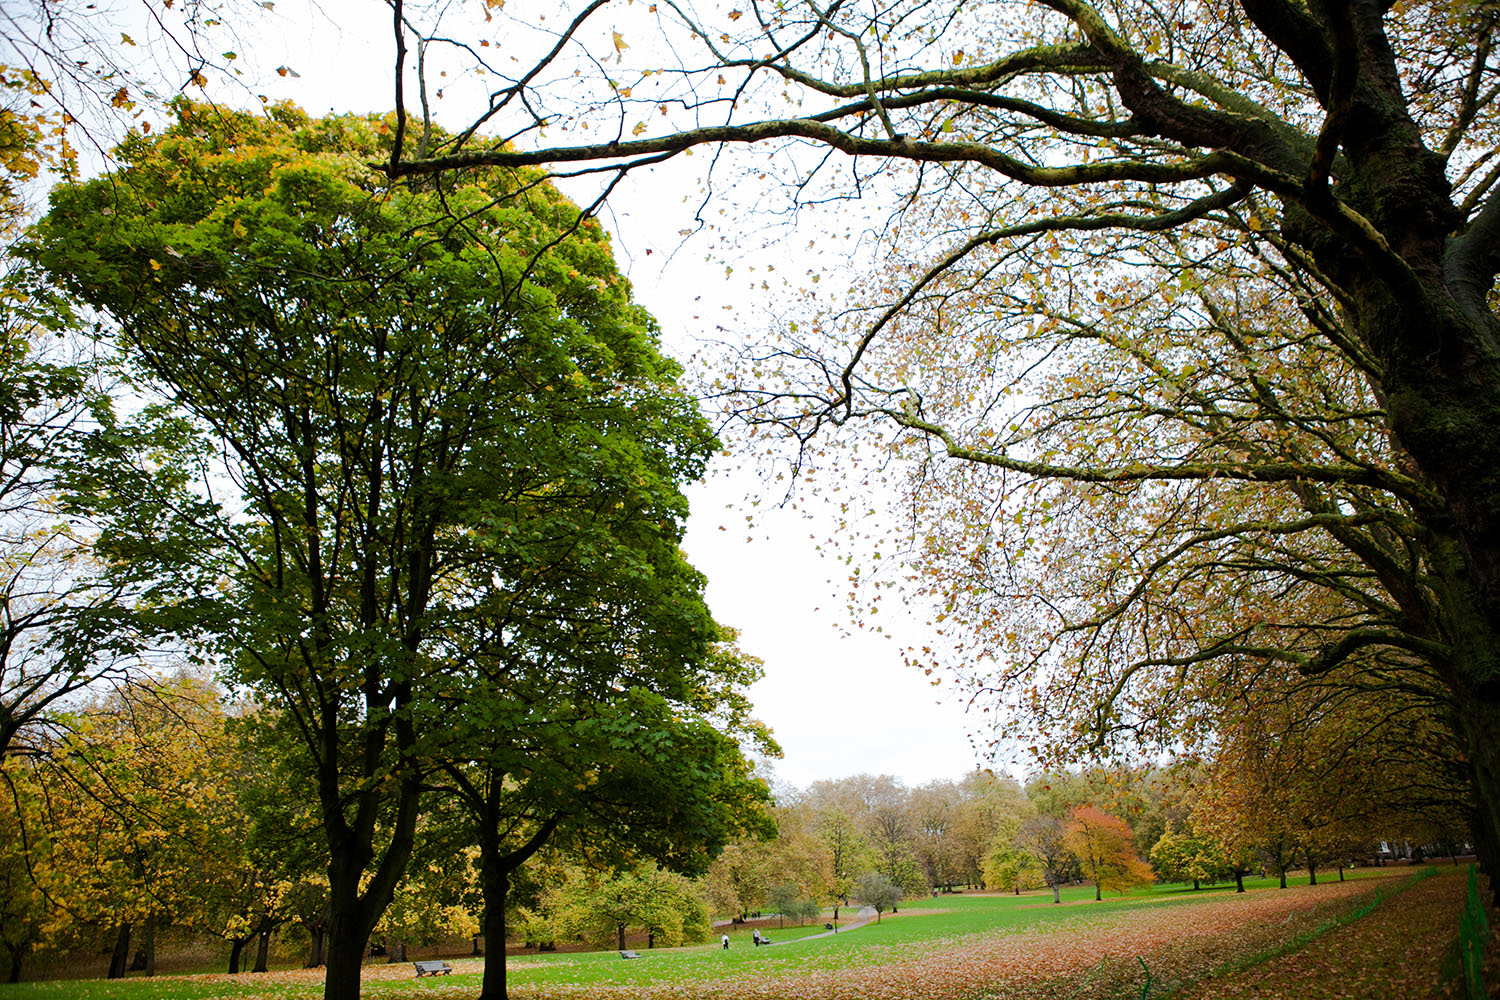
(864,916)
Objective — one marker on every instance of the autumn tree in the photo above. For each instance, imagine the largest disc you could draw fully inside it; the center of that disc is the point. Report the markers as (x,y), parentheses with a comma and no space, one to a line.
(65,621)
(1259,240)
(1182,856)
(1104,846)
(135,815)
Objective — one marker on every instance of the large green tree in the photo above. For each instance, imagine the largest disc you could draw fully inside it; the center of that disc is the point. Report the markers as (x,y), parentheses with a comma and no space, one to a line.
(1263,239)
(409,400)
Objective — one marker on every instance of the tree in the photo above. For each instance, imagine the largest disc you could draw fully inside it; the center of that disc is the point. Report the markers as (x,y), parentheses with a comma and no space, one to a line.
(419,416)
(1108,180)
(875,890)
(846,851)
(137,820)
(1044,838)
(1007,864)
(1106,849)
(1184,857)
(603,908)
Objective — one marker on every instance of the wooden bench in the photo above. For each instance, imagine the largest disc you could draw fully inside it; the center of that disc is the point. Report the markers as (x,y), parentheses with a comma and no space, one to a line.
(438,968)
(630,954)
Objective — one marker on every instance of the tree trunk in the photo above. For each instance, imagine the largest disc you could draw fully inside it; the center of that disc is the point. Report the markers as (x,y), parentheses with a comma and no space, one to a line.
(149,944)
(347,938)
(1312,870)
(496,883)
(620,936)
(397,955)
(121,954)
(262,949)
(1239,880)
(317,954)
(1056,892)
(236,945)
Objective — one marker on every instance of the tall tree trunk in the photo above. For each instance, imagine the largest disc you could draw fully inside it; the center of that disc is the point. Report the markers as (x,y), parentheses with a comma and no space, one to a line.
(496,889)
(262,948)
(121,954)
(620,936)
(1312,869)
(495,868)
(1239,880)
(1056,892)
(347,938)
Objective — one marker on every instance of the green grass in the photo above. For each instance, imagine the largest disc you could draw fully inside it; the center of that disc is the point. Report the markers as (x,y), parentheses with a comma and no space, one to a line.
(920,921)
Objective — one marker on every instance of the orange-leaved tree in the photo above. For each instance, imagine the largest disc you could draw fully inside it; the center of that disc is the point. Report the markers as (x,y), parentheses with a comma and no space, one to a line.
(1105,847)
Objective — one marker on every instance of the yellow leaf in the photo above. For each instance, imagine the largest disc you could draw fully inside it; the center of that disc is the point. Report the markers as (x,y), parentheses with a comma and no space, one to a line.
(958,57)
(639,128)
(126,39)
(620,45)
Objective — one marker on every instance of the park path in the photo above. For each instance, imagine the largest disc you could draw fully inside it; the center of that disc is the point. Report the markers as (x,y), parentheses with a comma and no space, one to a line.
(864,916)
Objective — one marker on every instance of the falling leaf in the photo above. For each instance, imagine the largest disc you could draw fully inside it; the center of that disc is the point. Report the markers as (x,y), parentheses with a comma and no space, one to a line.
(126,39)
(620,44)
(735,15)
(286,71)
(639,128)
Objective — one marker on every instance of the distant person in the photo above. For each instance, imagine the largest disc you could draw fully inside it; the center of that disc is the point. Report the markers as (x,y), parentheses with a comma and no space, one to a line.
(725,939)
(756,934)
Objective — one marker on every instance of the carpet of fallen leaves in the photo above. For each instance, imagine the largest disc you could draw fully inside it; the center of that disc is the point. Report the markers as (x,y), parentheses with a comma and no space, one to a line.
(1396,951)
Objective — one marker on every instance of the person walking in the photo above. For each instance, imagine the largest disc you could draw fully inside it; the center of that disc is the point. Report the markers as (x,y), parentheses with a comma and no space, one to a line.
(725,939)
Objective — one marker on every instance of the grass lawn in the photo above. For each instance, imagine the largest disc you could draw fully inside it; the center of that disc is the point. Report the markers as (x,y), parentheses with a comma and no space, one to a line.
(969,946)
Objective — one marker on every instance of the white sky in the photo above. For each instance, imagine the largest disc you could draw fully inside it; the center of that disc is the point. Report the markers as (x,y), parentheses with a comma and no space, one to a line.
(839,703)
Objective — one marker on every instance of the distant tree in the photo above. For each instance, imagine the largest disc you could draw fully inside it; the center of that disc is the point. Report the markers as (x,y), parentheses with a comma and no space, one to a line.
(1044,838)
(603,907)
(847,853)
(1008,864)
(875,890)
(1104,846)
(1183,856)
(784,897)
